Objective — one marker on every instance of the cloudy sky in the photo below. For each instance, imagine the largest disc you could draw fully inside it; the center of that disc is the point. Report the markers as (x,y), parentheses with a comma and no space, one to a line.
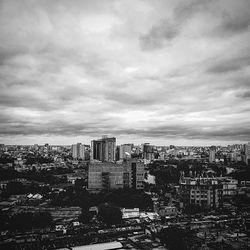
(159,71)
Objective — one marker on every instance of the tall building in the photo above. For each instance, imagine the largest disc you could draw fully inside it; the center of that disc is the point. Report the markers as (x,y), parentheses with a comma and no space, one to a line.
(148,151)
(211,155)
(125,151)
(108,175)
(138,172)
(78,151)
(103,149)
(247,153)
(117,153)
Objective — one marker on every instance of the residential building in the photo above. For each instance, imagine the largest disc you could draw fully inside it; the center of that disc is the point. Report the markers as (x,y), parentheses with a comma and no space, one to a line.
(211,155)
(205,192)
(125,151)
(138,172)
(229,186)
(148,151)
(103,149)
(78,151)
(247,153)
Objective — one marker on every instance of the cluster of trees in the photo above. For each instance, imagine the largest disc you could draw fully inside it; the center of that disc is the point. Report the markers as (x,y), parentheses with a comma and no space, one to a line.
(193,209)
(164,174)
(8,174)
(129,198)
(25,221)
(175,238)
(47,176)
(33,159)
(109,214)
(6,159)
(16,187)
(78,196)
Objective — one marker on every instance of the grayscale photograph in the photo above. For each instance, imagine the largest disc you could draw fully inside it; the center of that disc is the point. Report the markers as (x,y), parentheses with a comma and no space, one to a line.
(124,124)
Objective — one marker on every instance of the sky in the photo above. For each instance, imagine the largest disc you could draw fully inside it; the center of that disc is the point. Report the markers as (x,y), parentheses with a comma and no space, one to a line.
(161,71)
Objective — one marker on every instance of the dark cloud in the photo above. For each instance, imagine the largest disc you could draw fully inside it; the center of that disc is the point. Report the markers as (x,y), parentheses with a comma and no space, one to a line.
(229,65)
(234,25)
(159,35)
(235,19)
(163,32)
(245,94)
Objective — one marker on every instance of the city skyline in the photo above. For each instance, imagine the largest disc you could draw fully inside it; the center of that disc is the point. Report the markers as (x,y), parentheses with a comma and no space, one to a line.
(163,72)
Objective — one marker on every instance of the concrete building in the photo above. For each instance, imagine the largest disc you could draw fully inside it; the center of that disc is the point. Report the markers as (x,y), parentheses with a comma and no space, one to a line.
(125,151)
(107,175)
(211,155)
(205,192)
(103,149)
(148,151)
(229,186)
(78,151)
(247,153)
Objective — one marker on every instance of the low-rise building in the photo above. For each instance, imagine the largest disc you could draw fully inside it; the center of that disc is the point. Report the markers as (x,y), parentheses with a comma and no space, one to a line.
(204,192)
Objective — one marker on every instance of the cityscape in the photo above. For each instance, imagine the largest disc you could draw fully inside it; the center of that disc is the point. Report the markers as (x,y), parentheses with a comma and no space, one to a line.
(108,196)
(124,124)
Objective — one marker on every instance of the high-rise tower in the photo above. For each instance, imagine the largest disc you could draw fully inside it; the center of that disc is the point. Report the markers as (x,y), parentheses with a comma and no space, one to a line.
(103,149)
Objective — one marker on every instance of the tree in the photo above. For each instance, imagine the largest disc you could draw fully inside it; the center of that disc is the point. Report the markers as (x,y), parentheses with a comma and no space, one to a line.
(85,216)
(4,220)
(42,219)
(109,214)
(14,187)
(129,198)
(173,238)
(21,221)
(193,209)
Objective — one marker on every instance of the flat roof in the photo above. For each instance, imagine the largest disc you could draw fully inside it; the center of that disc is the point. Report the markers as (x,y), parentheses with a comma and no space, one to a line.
(101,246)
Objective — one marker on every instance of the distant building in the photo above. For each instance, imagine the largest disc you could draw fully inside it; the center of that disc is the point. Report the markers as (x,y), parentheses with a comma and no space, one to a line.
(107,175)
(229,186)
(148,151)
(211,155)
(117,153)
(247,153)
(125,151)
(103,149)
(204,192)
(78,151)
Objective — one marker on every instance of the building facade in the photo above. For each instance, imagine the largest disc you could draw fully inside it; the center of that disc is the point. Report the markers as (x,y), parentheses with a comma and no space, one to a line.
(204,192)
(108,176)
(211,155)
(148,151)
(78,151)
(247,153)
(125,151)
(103,149)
